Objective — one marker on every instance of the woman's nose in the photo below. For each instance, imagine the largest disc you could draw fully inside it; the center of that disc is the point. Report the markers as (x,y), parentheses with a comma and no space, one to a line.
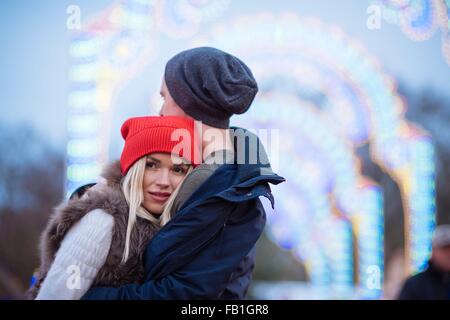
(163,178)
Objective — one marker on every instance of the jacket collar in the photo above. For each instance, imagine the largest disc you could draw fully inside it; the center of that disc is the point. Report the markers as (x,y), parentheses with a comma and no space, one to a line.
(251,163)
(236,180)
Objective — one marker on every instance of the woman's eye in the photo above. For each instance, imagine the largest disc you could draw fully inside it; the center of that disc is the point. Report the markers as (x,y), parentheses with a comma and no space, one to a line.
(150,165)
(179,170)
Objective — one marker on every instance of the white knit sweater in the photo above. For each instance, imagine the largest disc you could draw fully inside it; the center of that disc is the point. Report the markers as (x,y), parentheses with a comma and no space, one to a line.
(81,255)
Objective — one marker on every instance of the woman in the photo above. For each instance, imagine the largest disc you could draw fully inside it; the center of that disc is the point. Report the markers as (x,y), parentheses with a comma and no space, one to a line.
(99,238)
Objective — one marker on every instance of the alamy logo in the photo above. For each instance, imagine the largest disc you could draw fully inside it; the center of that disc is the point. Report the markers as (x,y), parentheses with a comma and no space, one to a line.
(74,280)
(376,13)
(74,19)
(373,281)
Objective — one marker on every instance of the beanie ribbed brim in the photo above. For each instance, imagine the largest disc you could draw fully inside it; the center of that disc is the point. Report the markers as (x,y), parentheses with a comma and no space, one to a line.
(146,135)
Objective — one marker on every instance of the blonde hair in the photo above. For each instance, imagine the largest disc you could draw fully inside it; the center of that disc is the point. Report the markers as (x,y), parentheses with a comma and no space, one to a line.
(134,195)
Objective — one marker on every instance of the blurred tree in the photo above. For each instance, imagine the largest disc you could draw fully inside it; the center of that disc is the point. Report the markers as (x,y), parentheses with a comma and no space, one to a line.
(31,184)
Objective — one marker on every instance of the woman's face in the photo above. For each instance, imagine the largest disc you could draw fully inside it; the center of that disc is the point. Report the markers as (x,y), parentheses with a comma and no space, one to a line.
(161,178)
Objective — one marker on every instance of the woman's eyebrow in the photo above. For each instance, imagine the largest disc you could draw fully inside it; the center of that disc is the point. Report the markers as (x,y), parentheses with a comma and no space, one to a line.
(182,165)
(153,159)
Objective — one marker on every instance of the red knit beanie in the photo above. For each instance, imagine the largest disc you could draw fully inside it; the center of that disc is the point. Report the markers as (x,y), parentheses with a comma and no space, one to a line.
(145,135)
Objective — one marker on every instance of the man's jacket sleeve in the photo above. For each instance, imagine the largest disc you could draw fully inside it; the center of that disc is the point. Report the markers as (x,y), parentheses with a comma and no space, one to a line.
(169,287)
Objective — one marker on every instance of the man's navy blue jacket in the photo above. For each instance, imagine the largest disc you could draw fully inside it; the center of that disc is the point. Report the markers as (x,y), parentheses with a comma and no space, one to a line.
(194,255)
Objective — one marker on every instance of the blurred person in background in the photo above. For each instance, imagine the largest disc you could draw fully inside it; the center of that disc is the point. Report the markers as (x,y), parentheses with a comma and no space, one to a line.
(434,282)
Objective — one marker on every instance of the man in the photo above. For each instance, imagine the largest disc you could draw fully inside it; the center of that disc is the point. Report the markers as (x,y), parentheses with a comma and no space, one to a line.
(207,249)
(434,282)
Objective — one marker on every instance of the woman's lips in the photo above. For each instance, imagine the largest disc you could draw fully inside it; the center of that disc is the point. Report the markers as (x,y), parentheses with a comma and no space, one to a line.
(159,196)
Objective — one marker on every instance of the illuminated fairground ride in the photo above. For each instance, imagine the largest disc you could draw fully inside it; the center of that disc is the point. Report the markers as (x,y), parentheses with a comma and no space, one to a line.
(322,95)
